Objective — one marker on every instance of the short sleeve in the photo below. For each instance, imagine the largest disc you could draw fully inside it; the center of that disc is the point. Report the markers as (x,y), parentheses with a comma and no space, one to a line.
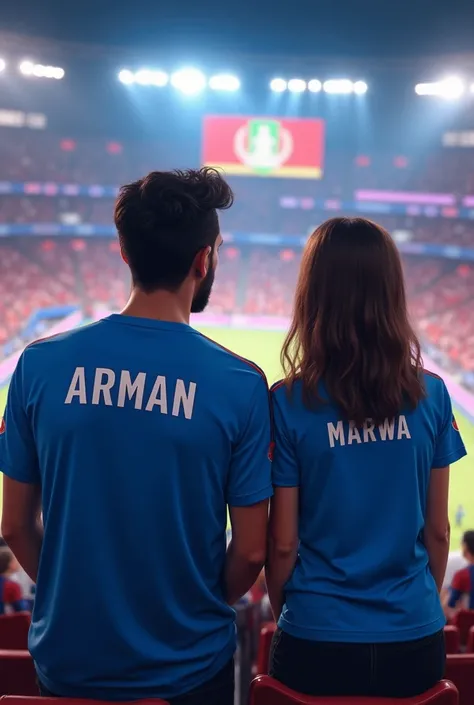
(449,444)
(460,586)
(285,467)
(18,457)
(12,593)
(250,477)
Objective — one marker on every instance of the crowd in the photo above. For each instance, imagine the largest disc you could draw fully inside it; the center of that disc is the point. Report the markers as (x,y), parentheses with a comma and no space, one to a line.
(262,210)
(37,274)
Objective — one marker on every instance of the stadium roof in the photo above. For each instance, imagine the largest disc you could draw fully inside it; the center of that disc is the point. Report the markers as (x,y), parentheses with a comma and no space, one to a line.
(341,28)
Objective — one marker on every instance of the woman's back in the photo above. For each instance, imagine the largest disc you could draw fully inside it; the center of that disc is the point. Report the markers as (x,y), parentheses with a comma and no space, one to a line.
(362,573)
(359,531)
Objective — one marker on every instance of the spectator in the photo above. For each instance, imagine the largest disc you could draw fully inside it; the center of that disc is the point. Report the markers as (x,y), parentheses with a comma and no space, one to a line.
(143,433)
(462,585)
(359,531)
(11,598)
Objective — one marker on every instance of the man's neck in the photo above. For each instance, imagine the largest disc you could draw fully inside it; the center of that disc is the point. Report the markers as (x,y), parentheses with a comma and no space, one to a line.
(160,305)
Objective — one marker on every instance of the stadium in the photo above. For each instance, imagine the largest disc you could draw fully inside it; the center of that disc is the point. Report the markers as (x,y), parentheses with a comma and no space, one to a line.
(298,140)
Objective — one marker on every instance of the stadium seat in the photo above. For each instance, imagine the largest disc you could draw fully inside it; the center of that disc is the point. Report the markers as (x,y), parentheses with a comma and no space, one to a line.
(267,691)
(460,671)
(37,700)
(17,673)
(266,635)
(452,640)
(14,630)
(470,641)
(464,620)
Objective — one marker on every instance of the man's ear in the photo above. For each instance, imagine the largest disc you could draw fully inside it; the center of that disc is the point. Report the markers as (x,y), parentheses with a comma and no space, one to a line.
(201,262)
(123,255)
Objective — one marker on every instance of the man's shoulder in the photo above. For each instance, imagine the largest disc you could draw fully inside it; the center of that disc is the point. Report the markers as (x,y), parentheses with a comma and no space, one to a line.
(60,339)
(229,361)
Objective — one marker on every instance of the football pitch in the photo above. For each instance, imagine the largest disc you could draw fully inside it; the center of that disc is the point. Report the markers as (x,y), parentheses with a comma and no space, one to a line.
(263,347)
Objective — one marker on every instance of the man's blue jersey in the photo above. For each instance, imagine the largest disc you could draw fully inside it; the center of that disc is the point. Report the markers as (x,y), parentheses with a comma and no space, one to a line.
(362,573)
(140,433)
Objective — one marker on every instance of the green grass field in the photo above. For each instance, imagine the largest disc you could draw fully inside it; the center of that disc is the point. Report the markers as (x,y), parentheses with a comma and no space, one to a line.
(263,347)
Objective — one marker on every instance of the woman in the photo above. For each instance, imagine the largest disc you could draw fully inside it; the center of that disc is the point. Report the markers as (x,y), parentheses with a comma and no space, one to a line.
(359,531)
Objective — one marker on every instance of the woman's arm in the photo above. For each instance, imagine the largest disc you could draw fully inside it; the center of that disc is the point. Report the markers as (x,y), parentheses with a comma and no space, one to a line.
(282,544)
(437,530)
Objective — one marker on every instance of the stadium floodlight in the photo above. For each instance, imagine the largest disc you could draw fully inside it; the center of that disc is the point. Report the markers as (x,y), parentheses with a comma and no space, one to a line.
(28,68)
(449,88)
(338,85)
(315,86)
(3,65)
(278,85)
(360,87)
(148,77)
(224,82)
(188,81)
(296,85)
(126,76)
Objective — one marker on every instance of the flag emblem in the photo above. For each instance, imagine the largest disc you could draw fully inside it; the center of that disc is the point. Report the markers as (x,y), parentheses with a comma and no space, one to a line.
(455,424)
(264,146)
(2,426)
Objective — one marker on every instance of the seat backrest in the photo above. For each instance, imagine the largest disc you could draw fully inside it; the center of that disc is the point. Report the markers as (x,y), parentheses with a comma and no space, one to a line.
(17,673)
(460,670)
(14,630)
(452,639)
(265,641)
(464,620)
(470,641)
(267,691)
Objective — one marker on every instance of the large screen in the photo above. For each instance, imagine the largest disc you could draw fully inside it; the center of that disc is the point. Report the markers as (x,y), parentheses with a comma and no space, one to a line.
(260,146)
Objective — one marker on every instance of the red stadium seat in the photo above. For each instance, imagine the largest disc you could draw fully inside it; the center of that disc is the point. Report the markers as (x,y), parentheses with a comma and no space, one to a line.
(452,639)
(464,620)
(266,635)
(14,630)
(37,700)
(470,641)
(267,691)
(460,671)
(17,673)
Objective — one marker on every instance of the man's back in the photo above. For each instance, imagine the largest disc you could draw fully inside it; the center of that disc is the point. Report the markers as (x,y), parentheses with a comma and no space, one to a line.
(140,432)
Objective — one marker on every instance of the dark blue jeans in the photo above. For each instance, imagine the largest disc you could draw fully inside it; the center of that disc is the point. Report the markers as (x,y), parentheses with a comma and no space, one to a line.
(218,691)
(393,670)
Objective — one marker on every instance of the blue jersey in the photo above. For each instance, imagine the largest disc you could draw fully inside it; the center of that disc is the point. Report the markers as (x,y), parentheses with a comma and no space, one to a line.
(362,573)
(140,433)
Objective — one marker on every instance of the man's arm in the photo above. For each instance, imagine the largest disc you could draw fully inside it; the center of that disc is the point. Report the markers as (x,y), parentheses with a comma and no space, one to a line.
(248,491)
(246,552)
(282,544)
(22,528)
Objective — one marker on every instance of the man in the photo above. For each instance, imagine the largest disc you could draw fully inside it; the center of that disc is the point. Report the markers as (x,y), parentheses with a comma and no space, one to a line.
(134,434)
(462,585)
(11,596)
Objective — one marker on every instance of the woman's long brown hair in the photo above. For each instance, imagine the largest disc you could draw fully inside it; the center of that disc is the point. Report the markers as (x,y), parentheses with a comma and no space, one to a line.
(350,328)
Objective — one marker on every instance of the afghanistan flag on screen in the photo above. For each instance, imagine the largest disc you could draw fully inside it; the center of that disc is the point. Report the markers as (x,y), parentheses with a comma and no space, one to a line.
(264,146)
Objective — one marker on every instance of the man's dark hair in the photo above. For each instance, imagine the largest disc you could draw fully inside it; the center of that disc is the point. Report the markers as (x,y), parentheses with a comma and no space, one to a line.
(6,557)
(468,541)
(164,219)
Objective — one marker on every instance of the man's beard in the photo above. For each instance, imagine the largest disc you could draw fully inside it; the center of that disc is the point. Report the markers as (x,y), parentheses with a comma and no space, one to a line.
(203,294)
